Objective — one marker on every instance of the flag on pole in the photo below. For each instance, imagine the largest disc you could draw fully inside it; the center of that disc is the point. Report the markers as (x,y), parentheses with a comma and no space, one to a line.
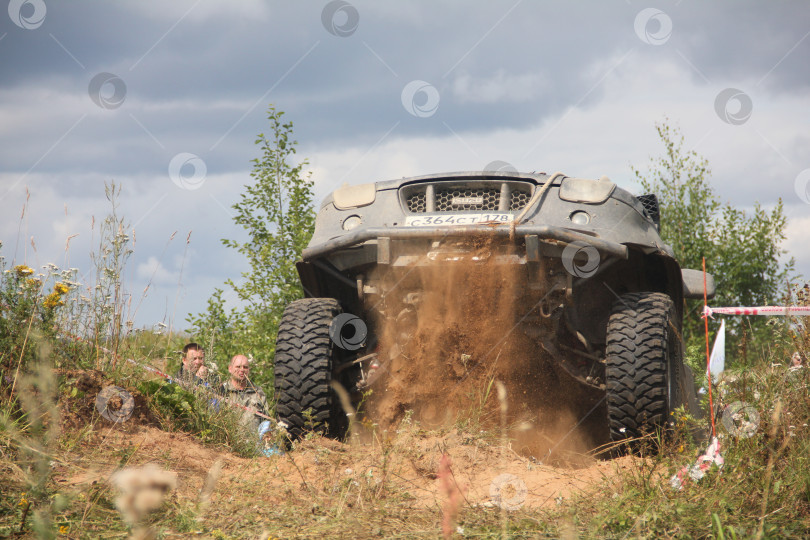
(717,360)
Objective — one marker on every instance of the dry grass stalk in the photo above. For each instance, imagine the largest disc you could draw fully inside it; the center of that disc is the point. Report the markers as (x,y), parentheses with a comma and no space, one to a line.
(450,510)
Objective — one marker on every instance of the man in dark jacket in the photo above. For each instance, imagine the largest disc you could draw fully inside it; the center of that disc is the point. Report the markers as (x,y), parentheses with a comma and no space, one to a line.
(193,368)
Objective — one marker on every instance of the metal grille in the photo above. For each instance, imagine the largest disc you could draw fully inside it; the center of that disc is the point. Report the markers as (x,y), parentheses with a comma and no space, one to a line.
(520,197)
(650,204)
(416,202)
(461,198)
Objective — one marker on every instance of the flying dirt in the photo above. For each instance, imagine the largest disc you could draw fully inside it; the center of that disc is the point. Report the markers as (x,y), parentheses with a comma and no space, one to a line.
(460,335)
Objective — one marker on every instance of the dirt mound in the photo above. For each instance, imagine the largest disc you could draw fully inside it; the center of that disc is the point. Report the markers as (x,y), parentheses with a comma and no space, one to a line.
(463,334)
(400,471)
(406,467)
(79,407)
(110,447)
(324,473)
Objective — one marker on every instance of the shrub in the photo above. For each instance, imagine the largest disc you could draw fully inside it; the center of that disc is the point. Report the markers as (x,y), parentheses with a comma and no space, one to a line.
(200,412)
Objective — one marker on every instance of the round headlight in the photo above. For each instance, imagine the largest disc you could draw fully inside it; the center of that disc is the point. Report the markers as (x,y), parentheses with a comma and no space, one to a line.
(580,218)
(351,222)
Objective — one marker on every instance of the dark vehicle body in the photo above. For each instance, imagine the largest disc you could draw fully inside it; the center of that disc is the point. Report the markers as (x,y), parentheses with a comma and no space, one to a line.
(604,293)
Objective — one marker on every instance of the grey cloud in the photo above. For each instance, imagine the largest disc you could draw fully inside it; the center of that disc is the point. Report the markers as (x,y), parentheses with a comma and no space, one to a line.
(202,86)
(344,91)
(746,40)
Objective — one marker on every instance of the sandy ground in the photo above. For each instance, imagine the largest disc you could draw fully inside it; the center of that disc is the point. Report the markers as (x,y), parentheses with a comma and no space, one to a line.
(469,405)
(406,467)
(486,467)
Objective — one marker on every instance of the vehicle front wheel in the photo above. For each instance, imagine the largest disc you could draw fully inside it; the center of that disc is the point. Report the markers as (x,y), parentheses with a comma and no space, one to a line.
(305,357)
(644,364)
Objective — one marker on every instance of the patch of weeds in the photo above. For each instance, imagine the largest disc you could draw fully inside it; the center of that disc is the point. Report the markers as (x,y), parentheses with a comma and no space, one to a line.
(762,490)
(88,513)
(31,428)
(125,454)
(476,416)
(201,413)
(71,440)
(30,307)
(312,427)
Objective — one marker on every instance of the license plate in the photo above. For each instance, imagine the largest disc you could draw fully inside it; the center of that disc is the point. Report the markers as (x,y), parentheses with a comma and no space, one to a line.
(458,219)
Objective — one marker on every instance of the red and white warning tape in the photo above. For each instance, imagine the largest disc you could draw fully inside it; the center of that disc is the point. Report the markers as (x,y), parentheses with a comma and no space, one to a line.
(798,311)
(701,467)
(712,457)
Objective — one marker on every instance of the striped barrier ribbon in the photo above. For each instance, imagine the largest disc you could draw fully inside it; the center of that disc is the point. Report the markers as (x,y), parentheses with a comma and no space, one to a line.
(796,311)
(702,465)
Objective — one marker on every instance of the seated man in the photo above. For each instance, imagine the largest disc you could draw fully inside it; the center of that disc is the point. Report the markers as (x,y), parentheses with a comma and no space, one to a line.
(192,367)
(239,389)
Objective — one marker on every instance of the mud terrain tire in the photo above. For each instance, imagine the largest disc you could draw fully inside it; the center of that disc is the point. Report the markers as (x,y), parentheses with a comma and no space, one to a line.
(643,364)
(304,359)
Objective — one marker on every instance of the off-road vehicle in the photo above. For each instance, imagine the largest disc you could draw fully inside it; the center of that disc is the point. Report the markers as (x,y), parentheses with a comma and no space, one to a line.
(607,290)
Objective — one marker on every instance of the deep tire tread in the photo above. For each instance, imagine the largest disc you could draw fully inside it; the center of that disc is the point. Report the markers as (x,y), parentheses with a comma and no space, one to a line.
(303,364)
(641,353)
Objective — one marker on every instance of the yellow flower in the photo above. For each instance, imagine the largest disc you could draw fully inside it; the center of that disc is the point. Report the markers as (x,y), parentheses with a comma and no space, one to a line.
(53,300)
(23,500)
(64,529)
(23,270)
(32,282)
(60,288)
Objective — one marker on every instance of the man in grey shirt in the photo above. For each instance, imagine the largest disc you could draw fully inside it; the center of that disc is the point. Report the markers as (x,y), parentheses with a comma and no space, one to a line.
(239,389)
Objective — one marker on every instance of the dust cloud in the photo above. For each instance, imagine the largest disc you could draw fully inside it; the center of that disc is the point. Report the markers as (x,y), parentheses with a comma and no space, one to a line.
(443,353)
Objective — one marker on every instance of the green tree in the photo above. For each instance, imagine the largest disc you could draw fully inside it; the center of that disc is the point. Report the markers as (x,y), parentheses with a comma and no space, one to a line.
(742,249)
(277,213)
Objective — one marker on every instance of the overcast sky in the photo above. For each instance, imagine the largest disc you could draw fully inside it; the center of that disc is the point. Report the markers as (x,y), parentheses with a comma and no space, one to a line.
(166,98)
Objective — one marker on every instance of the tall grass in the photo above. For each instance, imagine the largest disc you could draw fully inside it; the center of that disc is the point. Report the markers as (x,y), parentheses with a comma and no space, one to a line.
(763,489)
(51,323)
(30,432)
